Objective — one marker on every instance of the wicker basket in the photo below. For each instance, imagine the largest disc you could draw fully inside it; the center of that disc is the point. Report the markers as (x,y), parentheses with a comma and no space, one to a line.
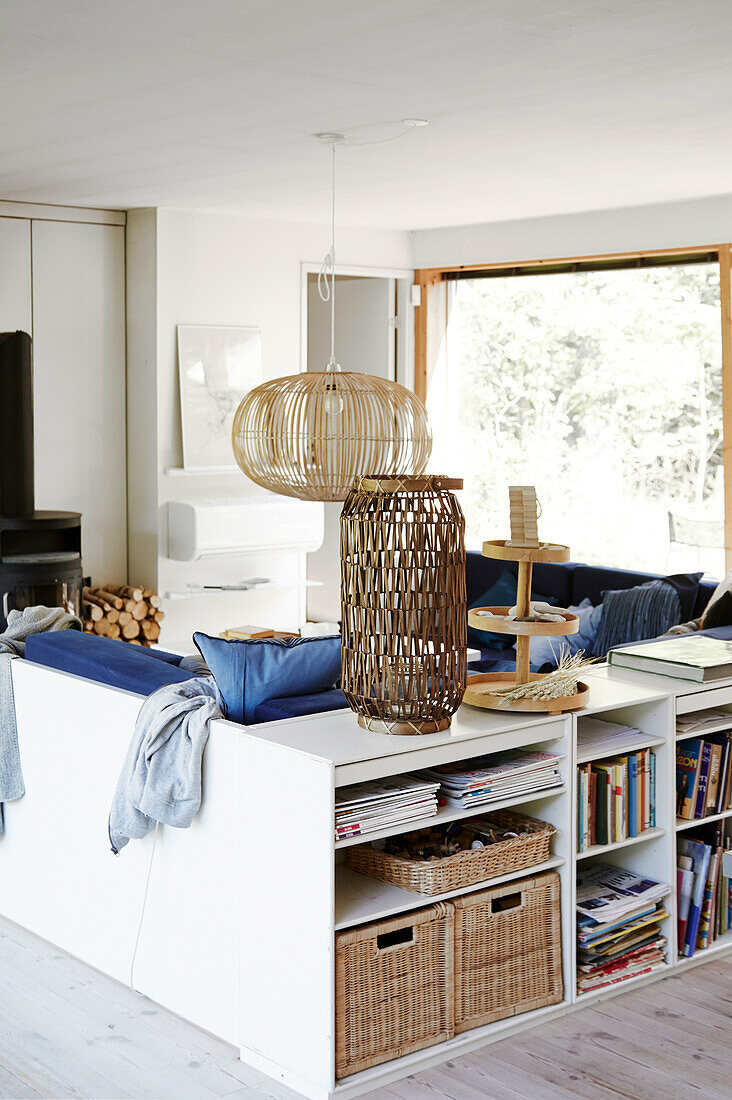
(465,868)
(394,988)
(508,951)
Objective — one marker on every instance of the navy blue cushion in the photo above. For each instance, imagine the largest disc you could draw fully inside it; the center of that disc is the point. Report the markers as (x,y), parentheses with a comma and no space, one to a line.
(703,596)
(105,660)
(501,594)
(553,579)
(591,581)
(248,673)
(274,710)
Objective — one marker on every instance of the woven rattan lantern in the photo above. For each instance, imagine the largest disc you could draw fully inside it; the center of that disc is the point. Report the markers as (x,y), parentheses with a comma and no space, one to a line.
(403,603)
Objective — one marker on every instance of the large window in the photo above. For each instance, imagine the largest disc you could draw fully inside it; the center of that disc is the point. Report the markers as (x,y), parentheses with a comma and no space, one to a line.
(603,388)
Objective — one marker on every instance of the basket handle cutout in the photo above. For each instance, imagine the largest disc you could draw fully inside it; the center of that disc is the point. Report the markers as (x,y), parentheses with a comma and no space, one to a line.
(508,901)
(400,937)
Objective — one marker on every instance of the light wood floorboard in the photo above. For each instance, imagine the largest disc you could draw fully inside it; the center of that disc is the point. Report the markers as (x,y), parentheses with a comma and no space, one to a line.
(67,1031)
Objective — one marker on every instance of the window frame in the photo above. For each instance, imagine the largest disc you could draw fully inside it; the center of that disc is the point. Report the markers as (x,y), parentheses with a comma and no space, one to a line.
(431,317)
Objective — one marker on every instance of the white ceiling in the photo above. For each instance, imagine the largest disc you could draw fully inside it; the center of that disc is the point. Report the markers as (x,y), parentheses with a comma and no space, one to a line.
(536,106)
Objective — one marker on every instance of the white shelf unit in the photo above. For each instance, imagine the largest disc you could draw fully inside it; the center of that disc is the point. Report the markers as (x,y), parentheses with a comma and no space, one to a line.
(452,813)
(682,823)
(653,852)
(302,890)
(603,849)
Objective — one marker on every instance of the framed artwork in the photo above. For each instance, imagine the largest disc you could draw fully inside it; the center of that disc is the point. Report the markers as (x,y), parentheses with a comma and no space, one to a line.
(217,366)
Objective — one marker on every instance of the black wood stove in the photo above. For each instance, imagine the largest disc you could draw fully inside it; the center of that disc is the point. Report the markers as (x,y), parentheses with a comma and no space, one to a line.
(40,552)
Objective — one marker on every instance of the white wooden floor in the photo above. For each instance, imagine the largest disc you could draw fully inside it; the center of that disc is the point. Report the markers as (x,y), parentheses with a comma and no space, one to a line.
(67,1031)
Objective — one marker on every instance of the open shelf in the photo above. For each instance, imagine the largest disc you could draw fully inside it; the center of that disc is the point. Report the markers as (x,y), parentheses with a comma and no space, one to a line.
(360,899)
(600,849)
(451,813)
(720,944)
(682,823)
(623,984)
(717,727)
(620,746)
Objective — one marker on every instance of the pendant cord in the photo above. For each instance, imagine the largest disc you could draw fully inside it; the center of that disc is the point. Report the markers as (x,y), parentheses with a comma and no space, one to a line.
(326,286)
(332,362)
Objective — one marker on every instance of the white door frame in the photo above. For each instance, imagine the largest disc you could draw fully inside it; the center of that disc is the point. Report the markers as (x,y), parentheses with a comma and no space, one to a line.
(404,277)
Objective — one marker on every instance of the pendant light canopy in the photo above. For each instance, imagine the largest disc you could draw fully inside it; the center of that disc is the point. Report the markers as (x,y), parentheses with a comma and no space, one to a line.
(310,435)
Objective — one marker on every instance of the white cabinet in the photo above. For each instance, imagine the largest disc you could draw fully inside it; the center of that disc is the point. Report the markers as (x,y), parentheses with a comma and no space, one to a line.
(79,384)
(64,283)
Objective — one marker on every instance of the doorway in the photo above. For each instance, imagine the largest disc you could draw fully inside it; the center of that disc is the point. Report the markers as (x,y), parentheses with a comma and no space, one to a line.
(373,325)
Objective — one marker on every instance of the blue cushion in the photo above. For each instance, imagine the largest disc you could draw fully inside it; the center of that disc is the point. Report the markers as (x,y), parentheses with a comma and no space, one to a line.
(274,710)
(545,649)
(105,660)
(248,673)
(501,594)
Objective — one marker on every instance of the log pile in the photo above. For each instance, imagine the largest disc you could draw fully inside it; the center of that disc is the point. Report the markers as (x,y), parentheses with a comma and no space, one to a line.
(125,612)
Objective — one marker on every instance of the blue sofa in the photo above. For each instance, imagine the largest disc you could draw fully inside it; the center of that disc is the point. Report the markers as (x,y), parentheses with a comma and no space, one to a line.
(569,583)
(142,671)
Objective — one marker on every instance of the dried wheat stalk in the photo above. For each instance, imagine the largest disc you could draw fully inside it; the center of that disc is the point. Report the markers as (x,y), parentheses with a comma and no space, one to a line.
(555,685)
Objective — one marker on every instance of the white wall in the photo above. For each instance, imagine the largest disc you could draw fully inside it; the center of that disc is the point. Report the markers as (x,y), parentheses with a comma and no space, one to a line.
(219,269)
(663,225)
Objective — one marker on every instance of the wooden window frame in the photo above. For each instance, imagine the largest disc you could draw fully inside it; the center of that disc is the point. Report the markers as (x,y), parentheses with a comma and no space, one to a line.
(430,323)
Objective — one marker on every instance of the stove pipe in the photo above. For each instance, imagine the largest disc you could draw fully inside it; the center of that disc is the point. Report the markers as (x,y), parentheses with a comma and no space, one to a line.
(17,497)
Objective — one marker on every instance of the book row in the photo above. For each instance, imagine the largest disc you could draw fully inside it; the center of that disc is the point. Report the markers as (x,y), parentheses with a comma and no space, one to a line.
(616,798)
(703,767)
(704,892)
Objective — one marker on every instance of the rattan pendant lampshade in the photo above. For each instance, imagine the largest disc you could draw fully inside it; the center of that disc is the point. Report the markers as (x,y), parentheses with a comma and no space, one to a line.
(310,435)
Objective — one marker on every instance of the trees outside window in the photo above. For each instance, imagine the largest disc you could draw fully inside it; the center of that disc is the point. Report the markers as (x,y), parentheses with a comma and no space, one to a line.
(604,389)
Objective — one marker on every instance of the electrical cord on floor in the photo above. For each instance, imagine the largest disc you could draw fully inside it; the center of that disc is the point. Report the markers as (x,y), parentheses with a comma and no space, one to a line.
(142,912)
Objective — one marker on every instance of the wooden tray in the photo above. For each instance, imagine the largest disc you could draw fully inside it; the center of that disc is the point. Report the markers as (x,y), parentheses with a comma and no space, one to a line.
(544,552)
(478,694)
(499,624)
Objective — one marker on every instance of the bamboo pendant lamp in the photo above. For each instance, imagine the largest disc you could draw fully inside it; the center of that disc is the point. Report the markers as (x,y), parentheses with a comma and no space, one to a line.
(403,603)
(310,435)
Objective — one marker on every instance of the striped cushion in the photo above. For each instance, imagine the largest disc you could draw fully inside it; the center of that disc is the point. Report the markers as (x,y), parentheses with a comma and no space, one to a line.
(637,614)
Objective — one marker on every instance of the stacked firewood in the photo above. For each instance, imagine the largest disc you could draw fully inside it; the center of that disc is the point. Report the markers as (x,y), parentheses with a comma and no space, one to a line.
(123,611)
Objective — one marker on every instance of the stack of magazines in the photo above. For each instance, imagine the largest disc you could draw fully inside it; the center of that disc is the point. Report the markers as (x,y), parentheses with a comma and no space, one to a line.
(396,800)
(618,926)
(491,778)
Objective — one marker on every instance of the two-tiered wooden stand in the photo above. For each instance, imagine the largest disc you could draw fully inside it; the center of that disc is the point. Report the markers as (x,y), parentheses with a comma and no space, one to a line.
(479,692)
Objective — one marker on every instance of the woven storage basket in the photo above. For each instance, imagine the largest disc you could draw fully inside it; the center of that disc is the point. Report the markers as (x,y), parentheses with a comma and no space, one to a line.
(465,868)
(394,988)
(508,951)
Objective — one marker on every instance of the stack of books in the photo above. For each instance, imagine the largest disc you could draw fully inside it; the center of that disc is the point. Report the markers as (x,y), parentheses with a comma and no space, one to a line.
(619,916)
(491,778)
(688,656)
(703,890)
(616,798)
(396,800)
(703,767)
